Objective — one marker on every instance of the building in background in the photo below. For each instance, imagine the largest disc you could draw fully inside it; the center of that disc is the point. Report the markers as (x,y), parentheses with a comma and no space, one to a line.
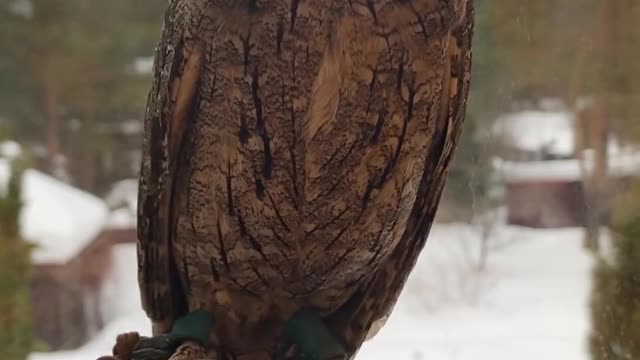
(542,178)
(73,233)
(535,135)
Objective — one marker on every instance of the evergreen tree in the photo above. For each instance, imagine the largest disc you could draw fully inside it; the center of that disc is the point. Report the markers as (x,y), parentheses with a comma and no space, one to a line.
(68,79)
(536,45)
(16,340)
(615,303)
(466,190)
(570,49)
(466,187)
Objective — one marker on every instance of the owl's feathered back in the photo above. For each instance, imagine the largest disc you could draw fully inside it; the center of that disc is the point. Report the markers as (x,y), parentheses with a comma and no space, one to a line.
(295,153)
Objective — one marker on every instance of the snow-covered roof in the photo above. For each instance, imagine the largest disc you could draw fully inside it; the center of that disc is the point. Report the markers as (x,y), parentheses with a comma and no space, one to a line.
(123,193)
(58,218)
(535,130)
(143,65)
(10,149)
(620,164)
(22,8)
(122,200)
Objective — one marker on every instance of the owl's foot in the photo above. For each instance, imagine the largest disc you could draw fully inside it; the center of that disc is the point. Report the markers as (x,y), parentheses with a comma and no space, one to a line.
(194,327)
(307,330)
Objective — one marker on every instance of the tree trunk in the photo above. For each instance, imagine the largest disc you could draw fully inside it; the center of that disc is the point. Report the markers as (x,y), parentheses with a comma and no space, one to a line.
(87,173)
(596,185)
(49,111)
(595,182)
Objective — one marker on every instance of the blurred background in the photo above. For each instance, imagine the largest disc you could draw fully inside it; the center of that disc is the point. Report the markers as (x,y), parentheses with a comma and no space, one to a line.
(536,250)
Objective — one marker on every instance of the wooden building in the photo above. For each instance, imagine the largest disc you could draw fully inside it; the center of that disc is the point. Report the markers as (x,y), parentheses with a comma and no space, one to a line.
(67,287)
(545,204)
(66,296)
(73,233)
(550,194)
(541,178)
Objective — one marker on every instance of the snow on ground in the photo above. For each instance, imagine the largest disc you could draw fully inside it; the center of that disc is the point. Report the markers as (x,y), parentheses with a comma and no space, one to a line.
(116,291)
(59,219)
(530,303)
(122,311)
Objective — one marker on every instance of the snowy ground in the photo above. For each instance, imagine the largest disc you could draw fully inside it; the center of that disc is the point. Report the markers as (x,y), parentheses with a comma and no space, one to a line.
(530,303)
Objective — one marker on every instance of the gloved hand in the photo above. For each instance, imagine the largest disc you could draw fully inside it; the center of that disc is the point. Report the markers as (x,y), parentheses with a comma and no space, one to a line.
(306,329)
(123,349)
(159,347)
(195,326)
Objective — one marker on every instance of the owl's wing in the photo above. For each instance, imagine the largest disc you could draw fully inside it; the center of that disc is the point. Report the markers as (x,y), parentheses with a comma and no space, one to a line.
(177,72)
(375,299)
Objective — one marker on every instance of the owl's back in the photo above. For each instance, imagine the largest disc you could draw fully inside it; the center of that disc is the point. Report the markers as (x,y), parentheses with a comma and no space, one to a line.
(306,144)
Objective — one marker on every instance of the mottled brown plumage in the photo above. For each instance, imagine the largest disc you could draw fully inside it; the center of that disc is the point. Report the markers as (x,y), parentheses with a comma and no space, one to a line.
(294,156)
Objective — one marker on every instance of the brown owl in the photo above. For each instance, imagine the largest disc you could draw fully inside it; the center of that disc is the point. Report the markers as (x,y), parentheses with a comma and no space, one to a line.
(294,156)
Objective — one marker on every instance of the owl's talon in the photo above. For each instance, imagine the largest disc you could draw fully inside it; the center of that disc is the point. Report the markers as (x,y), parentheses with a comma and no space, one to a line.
(308,331)
(193,327)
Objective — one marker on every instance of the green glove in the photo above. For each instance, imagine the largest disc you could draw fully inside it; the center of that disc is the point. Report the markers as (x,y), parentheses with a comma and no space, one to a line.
(316,342)
(195,326)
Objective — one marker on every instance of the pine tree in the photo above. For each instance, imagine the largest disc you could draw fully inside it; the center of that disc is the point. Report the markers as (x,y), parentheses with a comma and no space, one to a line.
(16,340)
(615,302)
(468,175)
(67,74)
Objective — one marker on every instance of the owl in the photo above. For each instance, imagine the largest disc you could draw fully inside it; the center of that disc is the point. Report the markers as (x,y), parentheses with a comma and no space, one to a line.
(294,156)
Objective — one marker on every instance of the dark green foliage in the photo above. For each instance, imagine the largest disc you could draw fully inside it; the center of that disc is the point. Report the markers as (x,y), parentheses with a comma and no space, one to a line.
(572,49)
(466,190)
(615,303)
(16,340)
(467,182)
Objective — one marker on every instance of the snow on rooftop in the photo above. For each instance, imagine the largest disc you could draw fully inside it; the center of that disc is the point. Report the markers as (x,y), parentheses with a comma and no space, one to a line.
(23,8)
(143,65)
(553,170)
(123,193)
(122,219)
(530,304)
(10,149)
(122,199)
(58,218)
(621,164)
(535,130)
